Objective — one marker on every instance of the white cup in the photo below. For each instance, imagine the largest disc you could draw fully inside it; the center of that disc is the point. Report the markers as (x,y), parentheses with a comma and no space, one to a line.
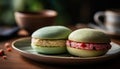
(111,21)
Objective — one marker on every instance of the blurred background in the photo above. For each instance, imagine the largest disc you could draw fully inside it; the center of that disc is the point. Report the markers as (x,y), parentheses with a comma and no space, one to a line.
(70,12)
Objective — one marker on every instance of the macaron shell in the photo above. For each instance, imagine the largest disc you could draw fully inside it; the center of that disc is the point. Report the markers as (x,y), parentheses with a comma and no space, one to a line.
(89,36)
(49,50)
(85,53)
(52,32)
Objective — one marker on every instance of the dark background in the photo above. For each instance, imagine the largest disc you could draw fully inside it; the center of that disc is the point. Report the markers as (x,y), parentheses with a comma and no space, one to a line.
(69,11)
(82,11)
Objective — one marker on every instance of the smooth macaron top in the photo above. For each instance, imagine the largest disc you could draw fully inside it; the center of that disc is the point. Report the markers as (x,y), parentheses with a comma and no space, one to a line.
(52,32)
(88,35)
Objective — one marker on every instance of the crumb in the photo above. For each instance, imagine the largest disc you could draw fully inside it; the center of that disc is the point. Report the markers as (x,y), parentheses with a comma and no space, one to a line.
(9,49)
(4,57)
(2,52)
(23,33)
(7,45)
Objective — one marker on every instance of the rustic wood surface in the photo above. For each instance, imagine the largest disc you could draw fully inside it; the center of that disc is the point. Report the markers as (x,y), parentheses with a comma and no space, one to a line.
(16,61)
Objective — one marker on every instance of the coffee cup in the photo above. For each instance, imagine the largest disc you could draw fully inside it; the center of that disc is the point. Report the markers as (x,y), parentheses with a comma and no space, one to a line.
(110,22)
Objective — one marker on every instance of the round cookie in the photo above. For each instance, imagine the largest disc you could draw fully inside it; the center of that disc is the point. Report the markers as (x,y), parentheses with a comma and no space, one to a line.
(88,42)
(50,39)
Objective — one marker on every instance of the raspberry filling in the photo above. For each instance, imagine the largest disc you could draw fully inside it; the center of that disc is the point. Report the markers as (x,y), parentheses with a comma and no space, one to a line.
(88,46)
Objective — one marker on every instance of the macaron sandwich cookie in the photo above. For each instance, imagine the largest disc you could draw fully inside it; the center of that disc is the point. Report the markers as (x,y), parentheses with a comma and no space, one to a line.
(50,39)
(88,42)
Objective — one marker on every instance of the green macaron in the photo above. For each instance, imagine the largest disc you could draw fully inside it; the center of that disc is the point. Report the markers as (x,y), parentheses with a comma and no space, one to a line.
(50,39)
(88,42)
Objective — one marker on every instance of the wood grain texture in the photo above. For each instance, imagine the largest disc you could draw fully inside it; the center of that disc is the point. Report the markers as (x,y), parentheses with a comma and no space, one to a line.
(16,61)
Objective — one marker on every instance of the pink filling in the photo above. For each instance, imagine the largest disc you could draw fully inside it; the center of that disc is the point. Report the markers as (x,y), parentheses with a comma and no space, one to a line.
(88,46)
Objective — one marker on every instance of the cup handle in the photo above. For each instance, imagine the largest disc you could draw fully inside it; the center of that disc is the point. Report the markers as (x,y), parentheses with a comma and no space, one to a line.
(97,19)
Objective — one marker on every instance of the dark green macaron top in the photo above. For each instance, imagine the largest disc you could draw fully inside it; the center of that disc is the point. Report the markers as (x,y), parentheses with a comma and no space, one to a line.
(88,35)
(52,32)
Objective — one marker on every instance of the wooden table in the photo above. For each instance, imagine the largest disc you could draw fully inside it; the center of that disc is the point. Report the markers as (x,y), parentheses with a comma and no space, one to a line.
(16,61)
